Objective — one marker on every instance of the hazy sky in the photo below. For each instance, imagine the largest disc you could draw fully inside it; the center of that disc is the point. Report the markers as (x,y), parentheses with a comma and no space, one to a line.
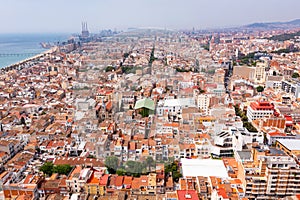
(67,15)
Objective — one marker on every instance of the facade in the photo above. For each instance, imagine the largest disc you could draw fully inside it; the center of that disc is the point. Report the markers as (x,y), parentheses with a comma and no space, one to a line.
(203,102)
(271,175)
(128,100)
(274,82)
(259,73)
(174,106)
(291,87)
(223,146)
(258,110)
(219,76)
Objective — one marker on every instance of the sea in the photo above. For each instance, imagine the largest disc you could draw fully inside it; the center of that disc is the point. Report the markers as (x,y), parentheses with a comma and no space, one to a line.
(22,44)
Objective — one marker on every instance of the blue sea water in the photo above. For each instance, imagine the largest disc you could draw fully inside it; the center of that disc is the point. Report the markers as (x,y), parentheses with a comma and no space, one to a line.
(25,43)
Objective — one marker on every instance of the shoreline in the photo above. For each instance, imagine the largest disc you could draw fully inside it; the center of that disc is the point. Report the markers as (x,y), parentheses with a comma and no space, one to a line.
(18,65)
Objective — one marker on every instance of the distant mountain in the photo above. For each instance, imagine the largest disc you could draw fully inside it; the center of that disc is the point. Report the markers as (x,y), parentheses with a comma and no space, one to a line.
(294,22)
(275,25)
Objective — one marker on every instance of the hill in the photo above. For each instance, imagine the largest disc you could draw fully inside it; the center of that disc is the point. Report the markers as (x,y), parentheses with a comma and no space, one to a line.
(275,25)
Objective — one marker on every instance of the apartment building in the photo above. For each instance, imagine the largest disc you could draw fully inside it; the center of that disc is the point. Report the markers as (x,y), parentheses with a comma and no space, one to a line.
(259,73)
(291,86)
(274,82)
(203,102)
(271,175)
(78,178)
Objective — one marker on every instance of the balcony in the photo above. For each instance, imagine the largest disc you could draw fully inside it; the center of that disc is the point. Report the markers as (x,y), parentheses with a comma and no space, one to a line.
(290,192)
(280,192)
(282,184)
(283,179)
(257,192)
(272,170)
(283,174)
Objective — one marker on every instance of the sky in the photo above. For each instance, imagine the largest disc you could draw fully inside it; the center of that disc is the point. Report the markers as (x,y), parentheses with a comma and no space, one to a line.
(65,16)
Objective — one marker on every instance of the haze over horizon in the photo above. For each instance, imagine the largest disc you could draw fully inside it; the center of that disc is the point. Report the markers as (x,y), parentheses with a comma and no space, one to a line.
(33,16)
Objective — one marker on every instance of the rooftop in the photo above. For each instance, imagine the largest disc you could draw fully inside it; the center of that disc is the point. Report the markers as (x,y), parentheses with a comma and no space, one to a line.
(197,167)
(291,144)
(145,103)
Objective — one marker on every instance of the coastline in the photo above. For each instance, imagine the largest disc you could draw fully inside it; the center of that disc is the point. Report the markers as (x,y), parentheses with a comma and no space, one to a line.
(21,64)
(17,43)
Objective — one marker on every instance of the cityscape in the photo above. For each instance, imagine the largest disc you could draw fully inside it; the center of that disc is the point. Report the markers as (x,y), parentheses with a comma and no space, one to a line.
(153,114)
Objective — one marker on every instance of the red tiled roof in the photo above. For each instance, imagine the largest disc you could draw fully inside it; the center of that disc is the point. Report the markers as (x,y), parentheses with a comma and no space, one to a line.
(222,192)
(93,179)
(127,180)
(109,105)
(104,180)
(187,195)
(112,180)
(261,106)
(277,133)
(119,181)
(136,183)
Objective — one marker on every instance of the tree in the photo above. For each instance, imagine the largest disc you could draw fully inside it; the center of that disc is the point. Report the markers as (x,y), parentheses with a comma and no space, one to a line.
(47,168)
(201,91)
(244,118)
(125,55)
(295,75)
(173,168)
(121,172)
(144,112)
(260,88)
(112,163)
(152,58)
(176,175)
(150,163)
(109,68)
(62,169)
(211,71)
(135,168)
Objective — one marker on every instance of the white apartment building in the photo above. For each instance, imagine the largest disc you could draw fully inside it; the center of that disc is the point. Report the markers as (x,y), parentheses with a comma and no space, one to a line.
(259,73)
(203,102)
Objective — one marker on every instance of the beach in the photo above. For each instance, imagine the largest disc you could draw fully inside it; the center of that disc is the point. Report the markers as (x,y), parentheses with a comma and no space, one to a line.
(16,48)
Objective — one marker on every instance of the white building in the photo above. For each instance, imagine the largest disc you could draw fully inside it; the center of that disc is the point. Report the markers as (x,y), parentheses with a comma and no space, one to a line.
(223,146)
(259,73)
(258,110)
(174,106)
(274,82)
(205,167)
(203,102)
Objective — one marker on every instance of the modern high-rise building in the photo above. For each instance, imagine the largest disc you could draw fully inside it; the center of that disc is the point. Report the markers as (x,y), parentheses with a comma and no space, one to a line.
(271,174)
